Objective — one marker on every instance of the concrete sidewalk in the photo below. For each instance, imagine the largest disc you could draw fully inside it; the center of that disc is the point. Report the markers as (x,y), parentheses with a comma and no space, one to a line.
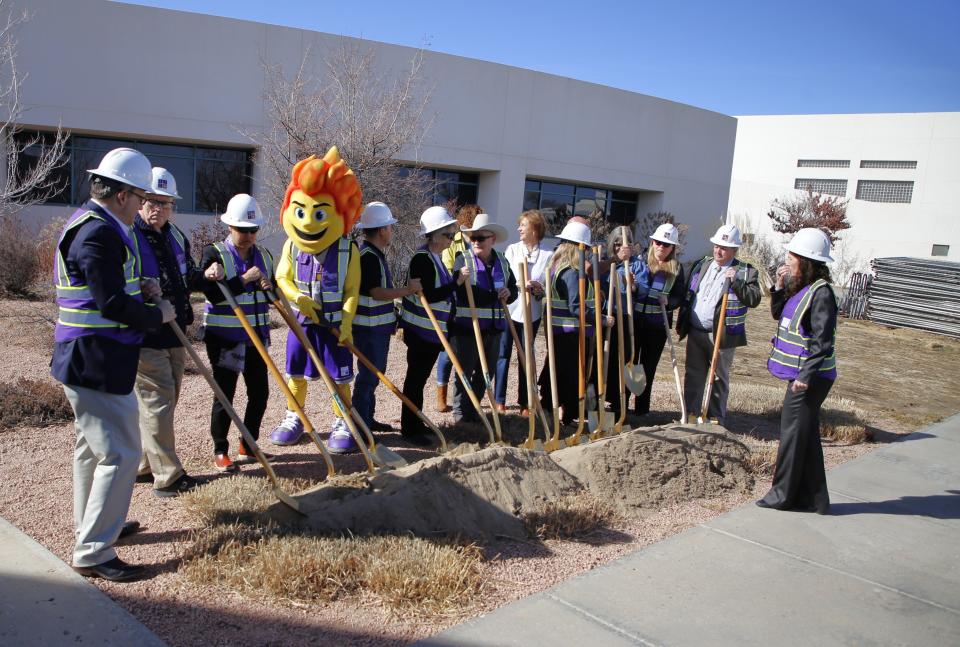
(43,602)
(882,569)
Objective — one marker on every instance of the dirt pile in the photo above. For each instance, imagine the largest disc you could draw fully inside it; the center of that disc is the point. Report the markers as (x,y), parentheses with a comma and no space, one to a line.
(656,466)
(478,495)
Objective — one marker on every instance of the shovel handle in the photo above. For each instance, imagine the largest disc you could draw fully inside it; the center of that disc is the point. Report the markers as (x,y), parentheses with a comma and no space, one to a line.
(456,364)
(272,368)
(708,389)
(478,337)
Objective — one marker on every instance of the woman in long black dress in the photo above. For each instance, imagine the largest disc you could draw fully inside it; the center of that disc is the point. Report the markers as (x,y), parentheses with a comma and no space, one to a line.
(803,356)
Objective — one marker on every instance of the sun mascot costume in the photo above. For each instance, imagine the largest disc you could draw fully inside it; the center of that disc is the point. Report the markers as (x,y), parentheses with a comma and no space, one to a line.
(319,272)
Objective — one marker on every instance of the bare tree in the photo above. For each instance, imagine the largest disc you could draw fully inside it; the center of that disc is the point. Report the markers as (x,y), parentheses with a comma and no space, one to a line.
(24,184)
(644,227)
(374,118)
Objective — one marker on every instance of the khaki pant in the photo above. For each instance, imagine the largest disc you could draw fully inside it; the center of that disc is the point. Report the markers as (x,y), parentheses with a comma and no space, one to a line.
(104,469)
(159,377)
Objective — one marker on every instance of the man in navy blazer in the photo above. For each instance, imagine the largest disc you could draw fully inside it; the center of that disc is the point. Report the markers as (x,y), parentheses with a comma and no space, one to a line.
(102,316)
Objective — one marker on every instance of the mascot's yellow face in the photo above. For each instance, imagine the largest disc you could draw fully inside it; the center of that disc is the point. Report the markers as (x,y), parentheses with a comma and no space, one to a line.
(312,223)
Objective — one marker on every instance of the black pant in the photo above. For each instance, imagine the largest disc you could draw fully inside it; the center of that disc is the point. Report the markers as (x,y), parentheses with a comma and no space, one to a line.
(566,347)
(255,379)
(649,340)
(799,481)
(421,356)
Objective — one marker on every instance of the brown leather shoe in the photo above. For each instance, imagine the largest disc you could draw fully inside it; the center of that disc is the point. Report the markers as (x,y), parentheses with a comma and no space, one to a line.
(525,412)
(501,408)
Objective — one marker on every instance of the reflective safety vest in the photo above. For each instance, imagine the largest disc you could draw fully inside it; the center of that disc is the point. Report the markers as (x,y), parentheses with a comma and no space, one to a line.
(489,317)
(414,319)
(219,319)
(791,344)
(321,281)
(649,306)
(735,322)
(563,319)
(78,314)
(375,316)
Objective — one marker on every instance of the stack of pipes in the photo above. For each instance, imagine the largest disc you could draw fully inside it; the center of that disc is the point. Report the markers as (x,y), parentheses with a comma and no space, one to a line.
(916,293)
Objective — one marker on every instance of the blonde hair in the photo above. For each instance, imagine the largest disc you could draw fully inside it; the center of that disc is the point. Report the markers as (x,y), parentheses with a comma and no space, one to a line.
(565,254)
(670,267)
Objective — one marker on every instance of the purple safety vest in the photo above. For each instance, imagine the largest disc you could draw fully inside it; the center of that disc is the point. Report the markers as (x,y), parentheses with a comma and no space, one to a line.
(219,319)
(791,344)
(735,322)
(78,312)
(375,316)
(414,319)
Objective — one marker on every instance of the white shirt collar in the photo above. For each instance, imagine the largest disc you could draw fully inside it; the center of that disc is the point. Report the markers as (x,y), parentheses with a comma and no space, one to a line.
(123,225)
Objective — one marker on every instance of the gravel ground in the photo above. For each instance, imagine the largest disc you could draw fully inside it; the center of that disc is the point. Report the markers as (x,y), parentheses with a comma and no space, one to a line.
(35,465)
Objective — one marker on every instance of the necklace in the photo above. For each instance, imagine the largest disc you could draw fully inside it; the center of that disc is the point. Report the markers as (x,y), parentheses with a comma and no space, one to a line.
(533,255)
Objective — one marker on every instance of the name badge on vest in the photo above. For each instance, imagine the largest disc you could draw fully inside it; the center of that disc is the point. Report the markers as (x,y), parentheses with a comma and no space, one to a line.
(785,323)
(232,358)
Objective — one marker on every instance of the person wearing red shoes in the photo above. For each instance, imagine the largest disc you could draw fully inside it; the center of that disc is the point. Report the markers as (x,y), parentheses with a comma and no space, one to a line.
(247,269)
(98,272)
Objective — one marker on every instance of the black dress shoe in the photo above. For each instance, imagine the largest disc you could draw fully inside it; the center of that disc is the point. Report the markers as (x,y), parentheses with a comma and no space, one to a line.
(183,484)
(145,478)
(376,425)
(129,527)
(116,570)
(763,504)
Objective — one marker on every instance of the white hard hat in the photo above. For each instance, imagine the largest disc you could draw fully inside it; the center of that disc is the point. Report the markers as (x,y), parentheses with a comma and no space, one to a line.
(575,232)
(667,233)
(433,219)
(811,243)
(727,236)
(162,183)
(376,214)
(125,165)
(482,221)
(242,211)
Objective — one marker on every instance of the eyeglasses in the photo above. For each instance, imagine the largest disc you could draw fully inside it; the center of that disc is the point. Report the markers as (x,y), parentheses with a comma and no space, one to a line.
(141,198)
(480,239)
(160,204)
(246,230)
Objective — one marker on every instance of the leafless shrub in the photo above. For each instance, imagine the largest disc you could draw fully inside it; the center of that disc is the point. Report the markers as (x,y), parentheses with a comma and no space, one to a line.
(762,460)
(32,403)
(646,225)
(18,260)
(207,233)
(374,115)
(577,515)
(23,185)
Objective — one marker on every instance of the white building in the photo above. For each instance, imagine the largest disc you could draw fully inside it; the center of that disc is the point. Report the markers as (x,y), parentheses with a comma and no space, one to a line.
(900,173)
(178,85)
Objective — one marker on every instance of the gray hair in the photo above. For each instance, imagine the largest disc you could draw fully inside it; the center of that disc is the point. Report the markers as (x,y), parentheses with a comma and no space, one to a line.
(103,188)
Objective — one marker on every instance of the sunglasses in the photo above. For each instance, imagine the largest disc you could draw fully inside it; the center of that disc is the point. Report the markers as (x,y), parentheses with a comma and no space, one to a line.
(660,243)
(448,235)
(480,239)
(246,230)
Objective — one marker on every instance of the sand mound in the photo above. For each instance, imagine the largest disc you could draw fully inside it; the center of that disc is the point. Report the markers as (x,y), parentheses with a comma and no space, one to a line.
(478,495)
(649,468)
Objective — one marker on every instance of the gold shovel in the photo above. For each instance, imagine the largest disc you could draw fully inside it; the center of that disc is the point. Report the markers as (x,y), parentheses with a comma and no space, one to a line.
(554,443)
(238,311)
(382,455)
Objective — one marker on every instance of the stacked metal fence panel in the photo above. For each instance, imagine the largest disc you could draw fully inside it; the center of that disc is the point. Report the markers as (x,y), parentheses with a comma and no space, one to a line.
(854,302)
(916,293)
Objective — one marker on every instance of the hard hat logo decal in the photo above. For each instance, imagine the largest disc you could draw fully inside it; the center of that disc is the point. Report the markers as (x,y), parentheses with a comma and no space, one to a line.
(251,215)
(161,184)
(725,237)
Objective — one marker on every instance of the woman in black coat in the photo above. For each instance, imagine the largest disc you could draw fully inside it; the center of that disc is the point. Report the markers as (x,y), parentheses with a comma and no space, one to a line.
(803,356)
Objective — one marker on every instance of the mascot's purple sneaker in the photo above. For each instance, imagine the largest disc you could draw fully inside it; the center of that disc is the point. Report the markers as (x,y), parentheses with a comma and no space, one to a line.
(341,440)
(289,431)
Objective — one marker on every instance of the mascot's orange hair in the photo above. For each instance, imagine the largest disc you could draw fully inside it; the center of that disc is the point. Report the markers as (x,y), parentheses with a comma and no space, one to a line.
(330,175)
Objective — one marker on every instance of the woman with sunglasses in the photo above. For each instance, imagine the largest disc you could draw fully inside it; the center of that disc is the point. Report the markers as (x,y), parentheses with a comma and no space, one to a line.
(491,281)
(423,344)
(664,287)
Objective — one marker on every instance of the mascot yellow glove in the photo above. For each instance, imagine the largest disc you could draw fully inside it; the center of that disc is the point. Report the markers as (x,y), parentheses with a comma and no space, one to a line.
(309,308)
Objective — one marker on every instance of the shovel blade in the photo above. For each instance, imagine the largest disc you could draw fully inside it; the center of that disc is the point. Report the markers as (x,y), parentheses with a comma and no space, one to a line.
(386,457)
(287,500)
(635,379)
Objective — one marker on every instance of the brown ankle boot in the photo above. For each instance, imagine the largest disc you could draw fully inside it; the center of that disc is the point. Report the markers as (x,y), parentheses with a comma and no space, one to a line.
(442,405)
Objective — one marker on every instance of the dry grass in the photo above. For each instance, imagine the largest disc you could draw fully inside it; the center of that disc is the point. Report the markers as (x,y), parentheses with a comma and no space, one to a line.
(32,403)
(240,548)
(841,419)
(577,515)
(405,573)
(762,459)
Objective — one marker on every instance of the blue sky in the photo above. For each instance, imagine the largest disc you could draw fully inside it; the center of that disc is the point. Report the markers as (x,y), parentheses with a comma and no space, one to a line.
(733,56)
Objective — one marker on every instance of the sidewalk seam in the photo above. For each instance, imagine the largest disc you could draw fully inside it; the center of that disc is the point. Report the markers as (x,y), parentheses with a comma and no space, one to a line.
(601,621)
(834,569)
